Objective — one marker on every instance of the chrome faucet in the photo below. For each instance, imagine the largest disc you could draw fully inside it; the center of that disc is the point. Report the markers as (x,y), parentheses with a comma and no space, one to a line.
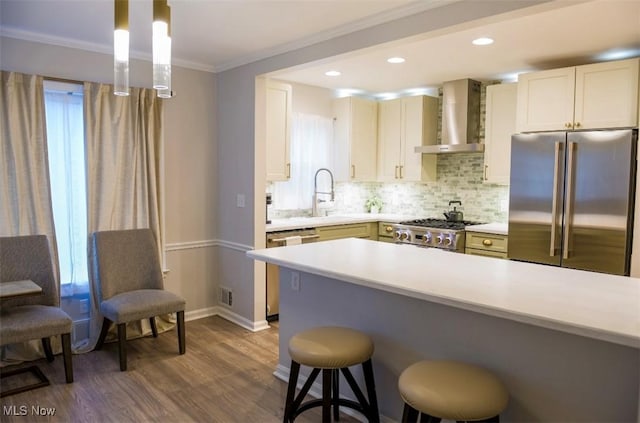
(315,210)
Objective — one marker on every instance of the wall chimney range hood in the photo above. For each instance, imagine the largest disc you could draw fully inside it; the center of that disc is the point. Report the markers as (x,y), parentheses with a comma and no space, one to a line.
(460,119)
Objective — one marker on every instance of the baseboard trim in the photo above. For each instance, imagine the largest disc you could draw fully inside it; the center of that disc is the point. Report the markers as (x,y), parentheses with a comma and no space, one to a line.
(282,373)
(200,314)
(241,321)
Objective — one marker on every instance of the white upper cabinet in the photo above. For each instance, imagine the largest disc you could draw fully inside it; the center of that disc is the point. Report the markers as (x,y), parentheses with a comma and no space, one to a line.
(278,131)
(601,95)
(607,95)
(355,139)
(500,124)
(406,123)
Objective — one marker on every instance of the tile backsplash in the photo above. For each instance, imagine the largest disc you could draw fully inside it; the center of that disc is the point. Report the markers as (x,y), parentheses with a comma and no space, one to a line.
(459,178)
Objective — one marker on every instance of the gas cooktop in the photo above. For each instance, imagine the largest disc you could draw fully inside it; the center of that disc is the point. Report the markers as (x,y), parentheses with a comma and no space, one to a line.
(439,223)
(435,233)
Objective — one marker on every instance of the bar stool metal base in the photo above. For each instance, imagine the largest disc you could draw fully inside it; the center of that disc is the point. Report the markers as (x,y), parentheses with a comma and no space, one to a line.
(331,394)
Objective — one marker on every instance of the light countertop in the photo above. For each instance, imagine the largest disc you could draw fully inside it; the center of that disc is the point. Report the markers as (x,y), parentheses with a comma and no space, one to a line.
(314,222)
(595,305)
(489,228)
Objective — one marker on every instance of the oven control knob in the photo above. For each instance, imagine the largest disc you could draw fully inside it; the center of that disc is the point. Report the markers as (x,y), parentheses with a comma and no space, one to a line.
(427,238)
(439,239)
(404,236)
(448,241)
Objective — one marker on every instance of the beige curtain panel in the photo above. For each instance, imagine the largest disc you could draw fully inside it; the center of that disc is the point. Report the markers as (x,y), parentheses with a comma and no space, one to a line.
(123,138)
(25,193)
(123,146)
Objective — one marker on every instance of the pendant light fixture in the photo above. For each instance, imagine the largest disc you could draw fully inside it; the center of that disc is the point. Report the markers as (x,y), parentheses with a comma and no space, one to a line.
(161,33)
(121,48)
(161,46)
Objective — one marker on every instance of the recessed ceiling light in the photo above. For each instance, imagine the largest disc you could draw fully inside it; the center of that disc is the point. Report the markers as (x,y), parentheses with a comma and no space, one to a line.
(395,60)
(482,41)
(332,73)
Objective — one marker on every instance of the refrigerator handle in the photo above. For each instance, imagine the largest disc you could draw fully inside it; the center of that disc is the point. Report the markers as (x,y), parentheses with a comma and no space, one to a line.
(554,200)
(568,216)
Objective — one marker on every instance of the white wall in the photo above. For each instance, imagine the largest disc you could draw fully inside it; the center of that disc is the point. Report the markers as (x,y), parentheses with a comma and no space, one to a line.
(243,227)
(190,150)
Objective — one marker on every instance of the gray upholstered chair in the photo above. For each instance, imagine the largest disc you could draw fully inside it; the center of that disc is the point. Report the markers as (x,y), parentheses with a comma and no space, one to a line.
(128,281)
(36,316)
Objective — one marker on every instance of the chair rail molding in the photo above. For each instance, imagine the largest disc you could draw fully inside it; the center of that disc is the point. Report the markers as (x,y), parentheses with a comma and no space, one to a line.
(187,245)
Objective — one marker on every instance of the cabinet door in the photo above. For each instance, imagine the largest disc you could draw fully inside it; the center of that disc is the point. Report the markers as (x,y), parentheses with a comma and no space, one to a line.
(389,130)
(545,100)
(355,230)
(364,138)
(278,131)
(500,124)
(607,95)
(419,127)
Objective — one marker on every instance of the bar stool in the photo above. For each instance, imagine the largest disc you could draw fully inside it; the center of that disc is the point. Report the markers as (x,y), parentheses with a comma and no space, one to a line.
(451,390)
(331,349)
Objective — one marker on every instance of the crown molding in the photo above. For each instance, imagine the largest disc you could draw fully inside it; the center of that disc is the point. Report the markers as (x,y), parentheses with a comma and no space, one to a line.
(368,22)
(412,8)
(38,37)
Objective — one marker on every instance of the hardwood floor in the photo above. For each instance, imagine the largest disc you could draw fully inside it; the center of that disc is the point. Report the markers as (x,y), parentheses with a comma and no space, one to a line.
(225,376)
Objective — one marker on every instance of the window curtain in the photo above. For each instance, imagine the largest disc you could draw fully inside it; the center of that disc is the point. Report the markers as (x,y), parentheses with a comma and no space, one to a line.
(310,150)
(123,138)
(25,195)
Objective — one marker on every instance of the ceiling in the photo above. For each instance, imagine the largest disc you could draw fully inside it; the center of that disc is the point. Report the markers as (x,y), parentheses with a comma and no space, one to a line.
(215,35)
(210,35)
(568,35)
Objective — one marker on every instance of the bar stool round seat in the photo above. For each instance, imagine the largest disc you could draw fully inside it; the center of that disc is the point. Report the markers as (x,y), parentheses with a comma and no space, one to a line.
(331,349)
(451,390)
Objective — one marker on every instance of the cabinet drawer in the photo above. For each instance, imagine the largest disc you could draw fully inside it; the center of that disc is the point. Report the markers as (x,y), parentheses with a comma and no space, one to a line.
(356,230)
(385,229)
(485,253)
(487,242)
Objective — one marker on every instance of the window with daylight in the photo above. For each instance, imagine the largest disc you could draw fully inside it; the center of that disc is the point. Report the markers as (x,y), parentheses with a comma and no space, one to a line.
(65,142)
(311,138)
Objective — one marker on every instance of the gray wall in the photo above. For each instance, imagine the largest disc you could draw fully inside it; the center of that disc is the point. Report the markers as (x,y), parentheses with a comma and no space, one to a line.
(190,149)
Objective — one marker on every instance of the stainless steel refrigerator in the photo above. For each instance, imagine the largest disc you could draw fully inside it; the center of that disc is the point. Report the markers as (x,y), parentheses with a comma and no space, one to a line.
(572,197)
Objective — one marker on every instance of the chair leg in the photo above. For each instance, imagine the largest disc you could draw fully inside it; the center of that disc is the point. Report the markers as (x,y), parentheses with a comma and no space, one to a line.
(46,346)
(154,328)
(122,345)
(374,413)
(291,391)
(66,353)
(326,395)
(425,418)
(335,389)
(181,335)
(409,414)
(106,324)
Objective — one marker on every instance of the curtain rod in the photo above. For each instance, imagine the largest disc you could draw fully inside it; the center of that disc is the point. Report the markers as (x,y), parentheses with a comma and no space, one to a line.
(70,81)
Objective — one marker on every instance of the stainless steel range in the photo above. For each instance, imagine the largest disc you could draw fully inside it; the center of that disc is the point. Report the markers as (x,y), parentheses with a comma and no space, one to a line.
(437,233)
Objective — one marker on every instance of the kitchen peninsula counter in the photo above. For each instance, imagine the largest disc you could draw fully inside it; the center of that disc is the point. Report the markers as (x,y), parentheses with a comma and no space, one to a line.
(565,342)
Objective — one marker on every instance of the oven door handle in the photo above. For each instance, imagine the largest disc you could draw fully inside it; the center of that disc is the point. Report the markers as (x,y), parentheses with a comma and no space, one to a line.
(304,237)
